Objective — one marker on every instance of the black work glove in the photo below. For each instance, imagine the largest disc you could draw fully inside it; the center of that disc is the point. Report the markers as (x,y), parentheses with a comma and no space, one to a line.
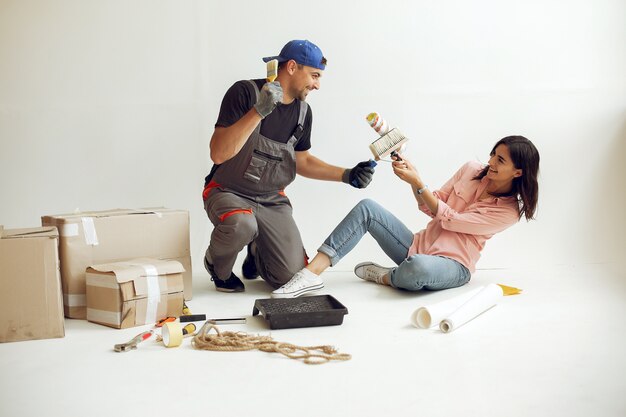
(361,175)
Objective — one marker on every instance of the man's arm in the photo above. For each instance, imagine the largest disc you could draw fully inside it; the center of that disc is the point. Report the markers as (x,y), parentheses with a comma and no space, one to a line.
(310,166)
(226,142)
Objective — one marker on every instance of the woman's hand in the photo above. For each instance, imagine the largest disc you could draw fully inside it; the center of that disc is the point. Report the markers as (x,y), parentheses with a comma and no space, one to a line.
(406,171)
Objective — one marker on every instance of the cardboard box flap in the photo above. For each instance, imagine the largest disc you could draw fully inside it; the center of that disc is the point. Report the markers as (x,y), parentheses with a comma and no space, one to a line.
(50,232)
(111,213)
(141,267)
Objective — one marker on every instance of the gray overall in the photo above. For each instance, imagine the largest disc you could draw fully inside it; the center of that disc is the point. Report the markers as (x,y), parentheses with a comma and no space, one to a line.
(245,201)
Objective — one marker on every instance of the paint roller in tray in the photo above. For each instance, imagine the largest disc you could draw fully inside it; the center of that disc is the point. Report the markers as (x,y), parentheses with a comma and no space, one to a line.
(391,139)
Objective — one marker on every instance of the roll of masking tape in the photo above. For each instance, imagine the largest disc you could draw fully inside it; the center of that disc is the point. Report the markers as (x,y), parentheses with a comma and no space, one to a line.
(172,334)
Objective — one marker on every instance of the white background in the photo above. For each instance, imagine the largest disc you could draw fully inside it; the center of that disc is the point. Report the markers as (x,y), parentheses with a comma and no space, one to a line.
(107,104)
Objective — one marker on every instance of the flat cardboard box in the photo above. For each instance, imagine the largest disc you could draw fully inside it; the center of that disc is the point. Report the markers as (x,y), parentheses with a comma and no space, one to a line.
(31,304)
(98,237)
(134,292)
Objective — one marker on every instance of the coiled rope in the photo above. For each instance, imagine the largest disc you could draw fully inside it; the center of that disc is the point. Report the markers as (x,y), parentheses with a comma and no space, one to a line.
(240,341)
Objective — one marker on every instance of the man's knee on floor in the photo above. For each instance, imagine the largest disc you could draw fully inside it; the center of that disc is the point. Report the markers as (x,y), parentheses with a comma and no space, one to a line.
(240,228)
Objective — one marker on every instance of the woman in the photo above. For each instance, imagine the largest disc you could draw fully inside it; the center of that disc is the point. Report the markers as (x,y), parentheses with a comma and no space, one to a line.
(476,203)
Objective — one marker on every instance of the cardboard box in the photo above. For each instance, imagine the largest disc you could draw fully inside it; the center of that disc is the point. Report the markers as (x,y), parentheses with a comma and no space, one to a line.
(31,305)
(134,292)
(99,237)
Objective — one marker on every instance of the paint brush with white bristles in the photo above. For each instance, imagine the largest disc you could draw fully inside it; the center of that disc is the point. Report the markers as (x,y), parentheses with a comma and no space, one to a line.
(272,70)
(390,141)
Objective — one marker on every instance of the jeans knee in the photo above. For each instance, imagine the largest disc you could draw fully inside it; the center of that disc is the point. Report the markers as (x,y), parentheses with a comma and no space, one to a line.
(367,204)
(412,274)
(367,208)
(430,273)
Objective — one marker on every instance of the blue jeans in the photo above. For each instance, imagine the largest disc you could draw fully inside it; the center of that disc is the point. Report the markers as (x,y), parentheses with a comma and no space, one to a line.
(413,273)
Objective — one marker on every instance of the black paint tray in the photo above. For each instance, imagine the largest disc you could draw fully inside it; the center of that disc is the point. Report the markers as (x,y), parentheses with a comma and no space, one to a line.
(286,313)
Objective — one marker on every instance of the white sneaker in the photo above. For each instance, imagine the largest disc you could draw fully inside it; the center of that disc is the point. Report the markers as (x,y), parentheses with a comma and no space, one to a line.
(369,271)
(303,281)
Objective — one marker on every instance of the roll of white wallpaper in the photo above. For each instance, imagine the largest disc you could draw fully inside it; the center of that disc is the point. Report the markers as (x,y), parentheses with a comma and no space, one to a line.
(472,308)
(430,315)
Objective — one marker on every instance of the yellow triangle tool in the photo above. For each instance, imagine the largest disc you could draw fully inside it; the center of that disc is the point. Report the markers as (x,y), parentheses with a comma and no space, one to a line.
(506,290)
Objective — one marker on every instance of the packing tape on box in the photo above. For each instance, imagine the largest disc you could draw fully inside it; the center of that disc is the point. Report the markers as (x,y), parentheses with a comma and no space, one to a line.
(89,229)
(113,318)
(75,300)
(154,292)
(172,334)
(68,229)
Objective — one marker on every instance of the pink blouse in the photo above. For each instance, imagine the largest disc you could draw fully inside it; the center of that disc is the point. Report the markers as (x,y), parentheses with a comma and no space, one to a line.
(463,224)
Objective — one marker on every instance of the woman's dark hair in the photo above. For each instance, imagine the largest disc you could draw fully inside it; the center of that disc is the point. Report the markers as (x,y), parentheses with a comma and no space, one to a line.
(524,156)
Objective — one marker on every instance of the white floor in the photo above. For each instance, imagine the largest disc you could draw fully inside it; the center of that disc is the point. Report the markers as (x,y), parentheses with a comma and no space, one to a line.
(556,350)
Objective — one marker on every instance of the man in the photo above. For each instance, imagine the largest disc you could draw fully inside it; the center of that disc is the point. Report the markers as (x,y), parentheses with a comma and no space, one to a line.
(262,139)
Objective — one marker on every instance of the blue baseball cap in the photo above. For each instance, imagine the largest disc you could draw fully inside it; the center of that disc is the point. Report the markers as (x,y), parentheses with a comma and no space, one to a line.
(303,52)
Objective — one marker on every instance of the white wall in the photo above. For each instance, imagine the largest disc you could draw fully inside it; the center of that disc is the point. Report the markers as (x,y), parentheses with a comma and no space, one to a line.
(112,104)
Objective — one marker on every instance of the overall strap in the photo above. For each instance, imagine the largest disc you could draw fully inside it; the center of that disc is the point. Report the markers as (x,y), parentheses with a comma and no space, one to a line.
(299,130)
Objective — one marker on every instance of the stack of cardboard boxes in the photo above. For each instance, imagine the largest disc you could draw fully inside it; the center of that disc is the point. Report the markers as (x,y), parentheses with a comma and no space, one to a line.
(118,243)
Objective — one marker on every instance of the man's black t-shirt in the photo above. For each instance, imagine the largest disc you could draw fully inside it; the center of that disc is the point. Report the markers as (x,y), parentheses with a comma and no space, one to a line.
(279,125)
